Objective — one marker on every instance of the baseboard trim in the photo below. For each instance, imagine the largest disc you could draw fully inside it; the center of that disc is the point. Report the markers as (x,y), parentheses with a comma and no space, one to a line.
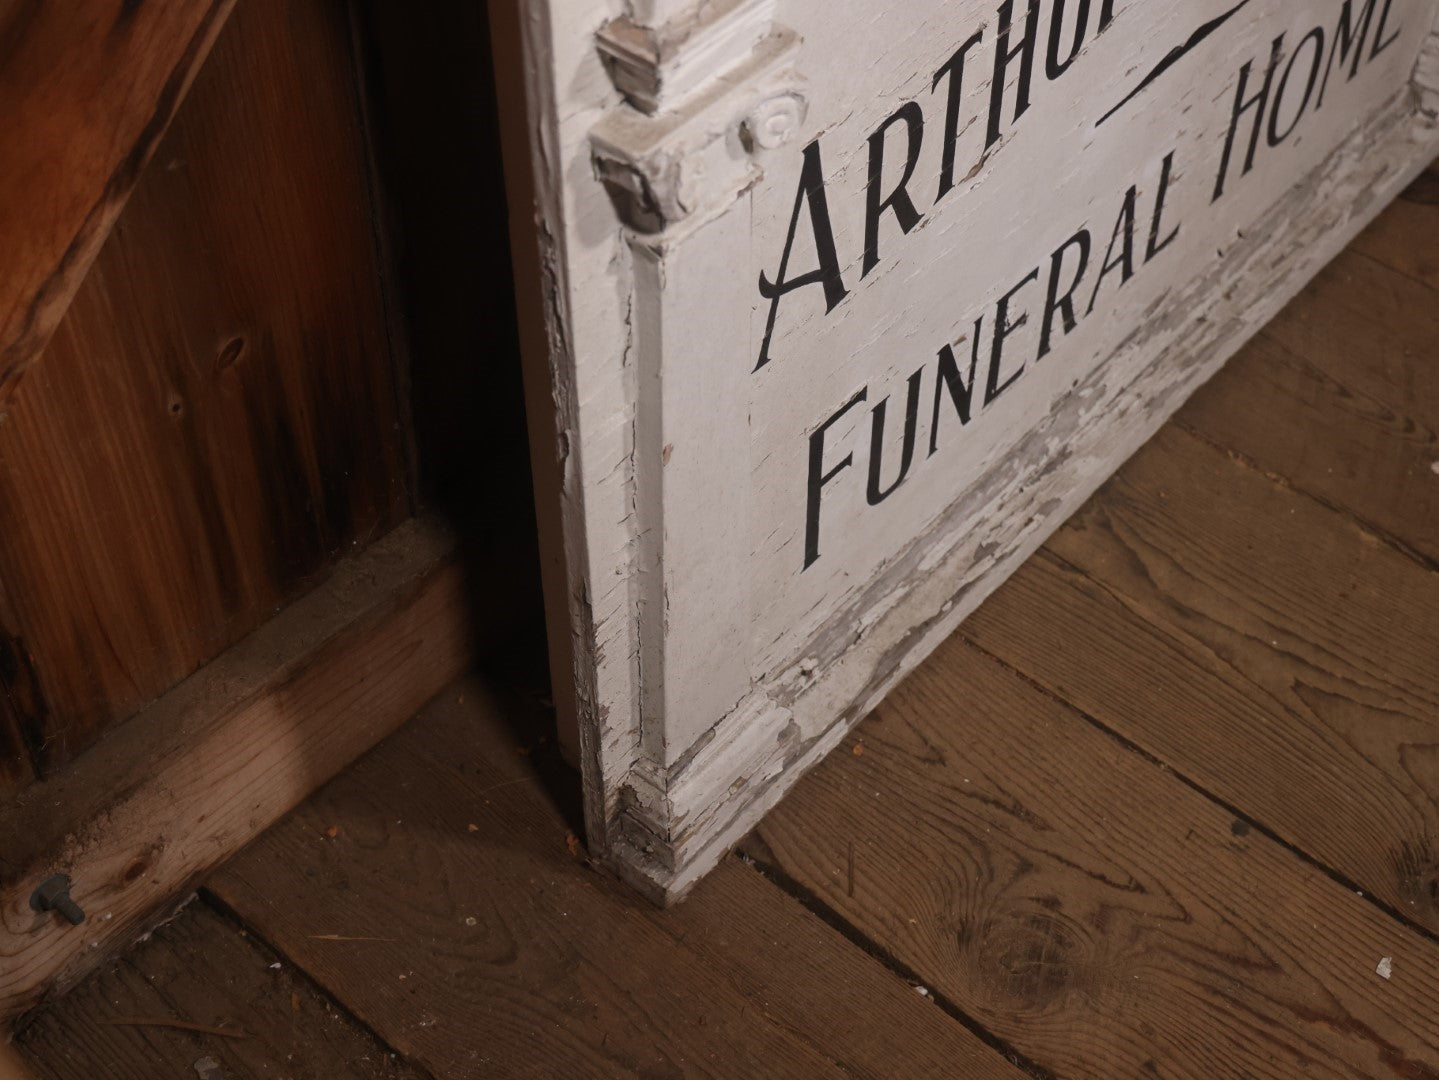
(137,822)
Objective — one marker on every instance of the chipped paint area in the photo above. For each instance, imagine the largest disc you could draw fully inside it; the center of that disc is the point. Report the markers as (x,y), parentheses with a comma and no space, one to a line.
(984,281)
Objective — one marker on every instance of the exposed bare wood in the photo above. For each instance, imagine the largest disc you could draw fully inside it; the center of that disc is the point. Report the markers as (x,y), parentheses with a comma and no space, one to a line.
(195,983)
(211,764)
(499,952)
(1339,395)
(1393,239)
(87,90)
(977,837)
(11,1066)
(1265,647)
(1088,909)
(215,420)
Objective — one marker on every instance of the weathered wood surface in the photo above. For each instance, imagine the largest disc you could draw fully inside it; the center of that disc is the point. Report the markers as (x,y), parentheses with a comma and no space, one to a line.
(1263,951)
(203,969)
(215,421)
(781,483)
(1398,238)
(16,768)
(142,817)
(87,90)
(1249,602)
(453,911)
(1087,908)
(12,1066)
(1270,650)
(1340,394)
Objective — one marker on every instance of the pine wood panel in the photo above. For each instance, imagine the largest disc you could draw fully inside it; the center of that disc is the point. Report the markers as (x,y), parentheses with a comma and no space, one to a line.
(1267,648)
(215,421)
(227,752)
(484,947)
(1085,906)
(1340,394)
(87,89)
(203,969)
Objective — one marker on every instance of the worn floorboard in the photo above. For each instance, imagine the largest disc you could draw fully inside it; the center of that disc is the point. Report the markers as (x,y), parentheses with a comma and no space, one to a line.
(1339,395)
(1166,806)
(1269,650)
(1091,911)
(485,947)
(202,969)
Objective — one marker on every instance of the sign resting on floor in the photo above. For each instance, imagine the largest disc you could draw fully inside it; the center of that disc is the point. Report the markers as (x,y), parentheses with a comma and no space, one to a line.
(837,309)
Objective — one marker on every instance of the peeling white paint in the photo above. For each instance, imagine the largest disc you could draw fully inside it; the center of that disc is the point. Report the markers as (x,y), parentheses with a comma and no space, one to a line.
(713,658)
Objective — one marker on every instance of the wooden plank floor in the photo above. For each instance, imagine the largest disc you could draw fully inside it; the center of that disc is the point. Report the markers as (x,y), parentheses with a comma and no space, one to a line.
(1166,806)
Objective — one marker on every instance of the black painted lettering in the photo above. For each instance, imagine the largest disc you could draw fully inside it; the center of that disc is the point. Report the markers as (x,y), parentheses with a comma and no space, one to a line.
(1349,38)
(1275,135)
(1123,231)
(898,199)
(953,70)
(1056,303)
(961,391)
(1380,41)
(817,479)
(1003,328)
(875,492)
(1003,57)
(1260,104)
(811,191)
(1054,67)
(1156,223)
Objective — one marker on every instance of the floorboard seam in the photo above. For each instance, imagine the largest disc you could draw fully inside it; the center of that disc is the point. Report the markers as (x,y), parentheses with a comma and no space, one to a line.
(226,911)
(1405,274)
(1228,807)
(1383,534)
(809,900)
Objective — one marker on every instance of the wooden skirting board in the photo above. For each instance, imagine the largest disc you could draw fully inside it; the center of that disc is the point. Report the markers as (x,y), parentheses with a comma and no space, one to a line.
(138,821)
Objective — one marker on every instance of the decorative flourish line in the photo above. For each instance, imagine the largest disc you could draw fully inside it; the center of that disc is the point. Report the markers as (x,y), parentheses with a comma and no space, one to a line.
(1177,54)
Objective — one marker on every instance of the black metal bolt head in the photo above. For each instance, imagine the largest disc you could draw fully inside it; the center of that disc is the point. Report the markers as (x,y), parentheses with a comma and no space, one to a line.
(53,894)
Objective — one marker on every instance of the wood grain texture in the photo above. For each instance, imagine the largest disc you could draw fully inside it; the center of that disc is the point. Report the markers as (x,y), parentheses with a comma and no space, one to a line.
(16,768)
(1087,908)
(734,613)
(1340,395)
(216,760)
(87,90)
(485,947)
(215,421)
(12,1066)
(203,969)
(1268,649)
(1403,237)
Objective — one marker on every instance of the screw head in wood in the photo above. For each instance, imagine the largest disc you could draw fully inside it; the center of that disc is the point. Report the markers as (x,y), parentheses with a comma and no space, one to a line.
(53,894)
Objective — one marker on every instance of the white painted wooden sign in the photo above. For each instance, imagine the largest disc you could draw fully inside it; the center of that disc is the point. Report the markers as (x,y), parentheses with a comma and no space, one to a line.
(844,305)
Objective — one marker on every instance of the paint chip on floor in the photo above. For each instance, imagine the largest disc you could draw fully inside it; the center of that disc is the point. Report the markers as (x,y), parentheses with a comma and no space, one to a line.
(1385,970)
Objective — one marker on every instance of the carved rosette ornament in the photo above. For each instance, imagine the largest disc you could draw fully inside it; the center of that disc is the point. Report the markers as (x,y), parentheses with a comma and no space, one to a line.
(706,93)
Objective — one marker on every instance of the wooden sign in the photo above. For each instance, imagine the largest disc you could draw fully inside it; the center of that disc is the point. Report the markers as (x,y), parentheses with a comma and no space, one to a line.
(842,307)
